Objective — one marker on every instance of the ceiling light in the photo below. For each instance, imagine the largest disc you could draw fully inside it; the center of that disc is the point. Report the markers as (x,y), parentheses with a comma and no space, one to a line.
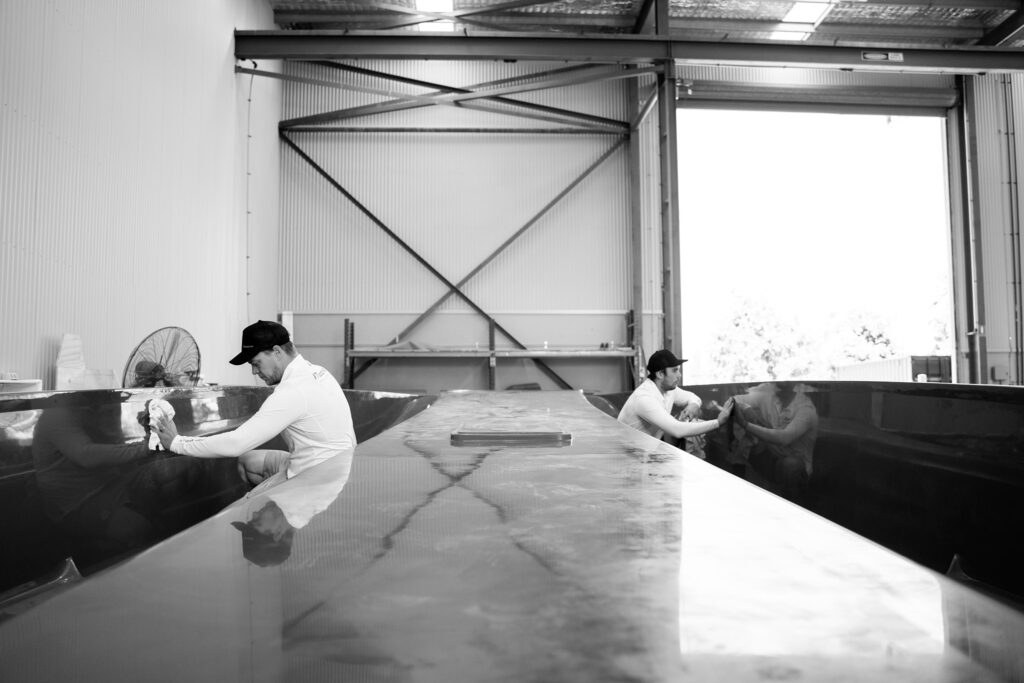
(807,12)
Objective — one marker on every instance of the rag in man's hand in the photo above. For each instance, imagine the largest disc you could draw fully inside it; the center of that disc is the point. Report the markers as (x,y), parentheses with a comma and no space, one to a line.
(157,408)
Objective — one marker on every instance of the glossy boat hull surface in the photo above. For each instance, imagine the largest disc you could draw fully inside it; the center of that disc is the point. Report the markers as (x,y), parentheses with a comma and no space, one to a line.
(106,432)
(611,556)
(932,471)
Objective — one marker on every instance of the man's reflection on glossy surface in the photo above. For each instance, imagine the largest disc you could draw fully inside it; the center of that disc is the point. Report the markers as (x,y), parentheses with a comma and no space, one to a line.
(777,426)
(267,536)
(109,497)
(278,512)
(150,374)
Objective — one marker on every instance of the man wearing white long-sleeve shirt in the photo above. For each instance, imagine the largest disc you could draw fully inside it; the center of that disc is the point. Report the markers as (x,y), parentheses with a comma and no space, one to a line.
(307,408)
(649,407)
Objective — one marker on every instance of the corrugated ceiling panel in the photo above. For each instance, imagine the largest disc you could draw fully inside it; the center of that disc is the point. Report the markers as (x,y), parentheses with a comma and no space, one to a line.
(937,25)
(915,14)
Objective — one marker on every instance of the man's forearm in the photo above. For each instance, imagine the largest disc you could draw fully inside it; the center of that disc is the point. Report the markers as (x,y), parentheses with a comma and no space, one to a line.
(681,430)
(201,447)
(778,437)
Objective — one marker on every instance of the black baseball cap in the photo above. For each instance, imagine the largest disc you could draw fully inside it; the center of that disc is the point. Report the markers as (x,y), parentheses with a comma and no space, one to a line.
(260,336)
(662,359)
(262,549)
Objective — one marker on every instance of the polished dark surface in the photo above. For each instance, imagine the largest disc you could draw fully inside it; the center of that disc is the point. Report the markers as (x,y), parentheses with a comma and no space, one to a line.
(932,471)
(614,558)
(78,480)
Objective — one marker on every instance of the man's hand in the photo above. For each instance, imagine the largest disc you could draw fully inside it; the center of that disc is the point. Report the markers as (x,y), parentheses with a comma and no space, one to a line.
(741,412)
(166,431)
(726,411)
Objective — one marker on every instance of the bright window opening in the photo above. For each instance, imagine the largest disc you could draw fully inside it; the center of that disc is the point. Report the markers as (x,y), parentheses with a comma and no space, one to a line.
(811,243)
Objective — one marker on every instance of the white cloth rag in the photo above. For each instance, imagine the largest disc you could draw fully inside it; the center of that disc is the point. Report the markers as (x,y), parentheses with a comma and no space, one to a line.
(157,408)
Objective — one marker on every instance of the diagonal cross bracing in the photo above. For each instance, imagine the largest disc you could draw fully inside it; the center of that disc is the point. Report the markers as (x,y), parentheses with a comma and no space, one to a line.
(504,245)
(426,264)
(464,97)
(401,104)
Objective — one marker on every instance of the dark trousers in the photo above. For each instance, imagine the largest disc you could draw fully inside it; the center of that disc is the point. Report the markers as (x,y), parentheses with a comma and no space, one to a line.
(783,474)
(136,509)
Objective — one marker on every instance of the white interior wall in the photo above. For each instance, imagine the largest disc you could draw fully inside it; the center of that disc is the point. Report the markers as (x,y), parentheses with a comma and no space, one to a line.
(454,198)
(123,186)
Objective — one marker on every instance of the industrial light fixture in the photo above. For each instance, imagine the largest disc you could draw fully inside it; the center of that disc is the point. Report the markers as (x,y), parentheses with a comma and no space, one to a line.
(807,12)
(439,7)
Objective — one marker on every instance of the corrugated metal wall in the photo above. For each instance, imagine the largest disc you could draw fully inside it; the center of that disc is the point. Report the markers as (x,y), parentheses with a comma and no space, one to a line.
(998,117)
(123,179)
(454,198)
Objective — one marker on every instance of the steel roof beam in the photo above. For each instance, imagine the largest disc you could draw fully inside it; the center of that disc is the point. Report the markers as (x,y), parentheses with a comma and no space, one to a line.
(615,49)
(1008,31)
(458,130)
(923,98)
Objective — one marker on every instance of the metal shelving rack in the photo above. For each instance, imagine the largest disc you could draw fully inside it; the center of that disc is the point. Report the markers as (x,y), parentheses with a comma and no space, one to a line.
(369,355)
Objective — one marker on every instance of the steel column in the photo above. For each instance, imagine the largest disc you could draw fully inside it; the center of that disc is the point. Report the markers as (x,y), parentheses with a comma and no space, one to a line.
(671,284)
(975,313)
(636,311)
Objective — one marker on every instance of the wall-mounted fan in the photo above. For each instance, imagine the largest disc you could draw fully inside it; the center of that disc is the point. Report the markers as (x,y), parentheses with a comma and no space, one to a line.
(168,357)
